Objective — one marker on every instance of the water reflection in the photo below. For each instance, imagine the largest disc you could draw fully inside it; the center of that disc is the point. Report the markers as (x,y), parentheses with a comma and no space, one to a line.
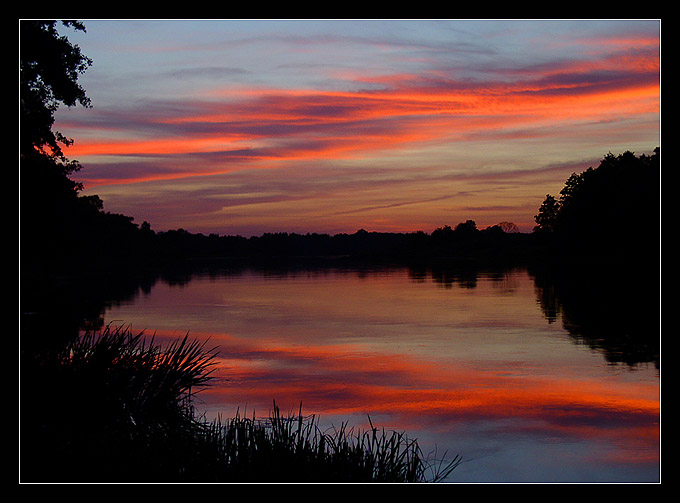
(539,375)
(616,313)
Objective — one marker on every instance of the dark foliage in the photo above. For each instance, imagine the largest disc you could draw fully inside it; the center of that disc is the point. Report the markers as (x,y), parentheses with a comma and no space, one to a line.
(110,406)
(113,407)
(49,68)
(612,211)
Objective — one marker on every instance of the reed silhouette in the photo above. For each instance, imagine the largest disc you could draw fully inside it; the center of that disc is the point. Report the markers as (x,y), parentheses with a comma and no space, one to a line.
(112,406)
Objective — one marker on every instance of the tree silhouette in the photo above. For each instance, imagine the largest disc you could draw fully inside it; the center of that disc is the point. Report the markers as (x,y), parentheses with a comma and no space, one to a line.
(508,227)
(611,209)
(51,211)
(49,66)
(49,69)
(547,215)
(57,223)
(466,228)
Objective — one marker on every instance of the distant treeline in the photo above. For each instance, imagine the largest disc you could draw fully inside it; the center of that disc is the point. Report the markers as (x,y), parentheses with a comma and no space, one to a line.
(116,238)
(463,241)
(611,212)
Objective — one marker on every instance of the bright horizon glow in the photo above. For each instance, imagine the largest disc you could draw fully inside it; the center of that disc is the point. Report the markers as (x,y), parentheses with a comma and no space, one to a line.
(245,127)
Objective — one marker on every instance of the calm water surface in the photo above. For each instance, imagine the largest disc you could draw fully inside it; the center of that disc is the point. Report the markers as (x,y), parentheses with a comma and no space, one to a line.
(474,364)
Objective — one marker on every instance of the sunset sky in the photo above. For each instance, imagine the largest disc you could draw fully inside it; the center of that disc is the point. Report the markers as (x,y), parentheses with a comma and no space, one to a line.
(245,127)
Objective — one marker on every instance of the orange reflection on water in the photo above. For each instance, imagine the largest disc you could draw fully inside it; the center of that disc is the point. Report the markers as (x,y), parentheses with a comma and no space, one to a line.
(346,379)
(469,360)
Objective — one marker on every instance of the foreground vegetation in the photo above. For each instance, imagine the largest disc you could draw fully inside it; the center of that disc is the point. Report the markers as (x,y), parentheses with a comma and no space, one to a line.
(113,406)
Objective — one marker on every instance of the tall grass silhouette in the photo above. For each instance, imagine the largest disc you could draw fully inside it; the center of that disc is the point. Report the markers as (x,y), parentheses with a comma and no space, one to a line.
(114,406)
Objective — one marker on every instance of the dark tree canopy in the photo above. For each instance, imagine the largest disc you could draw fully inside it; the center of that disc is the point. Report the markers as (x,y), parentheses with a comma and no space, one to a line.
(547,214)
(49,69)
(56,222)
(614,207)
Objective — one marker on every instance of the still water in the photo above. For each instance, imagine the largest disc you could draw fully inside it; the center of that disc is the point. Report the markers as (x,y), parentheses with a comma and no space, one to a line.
(481,364)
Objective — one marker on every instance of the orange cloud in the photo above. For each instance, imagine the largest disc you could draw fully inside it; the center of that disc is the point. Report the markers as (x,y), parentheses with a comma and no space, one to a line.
(156,146)
(298,124)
